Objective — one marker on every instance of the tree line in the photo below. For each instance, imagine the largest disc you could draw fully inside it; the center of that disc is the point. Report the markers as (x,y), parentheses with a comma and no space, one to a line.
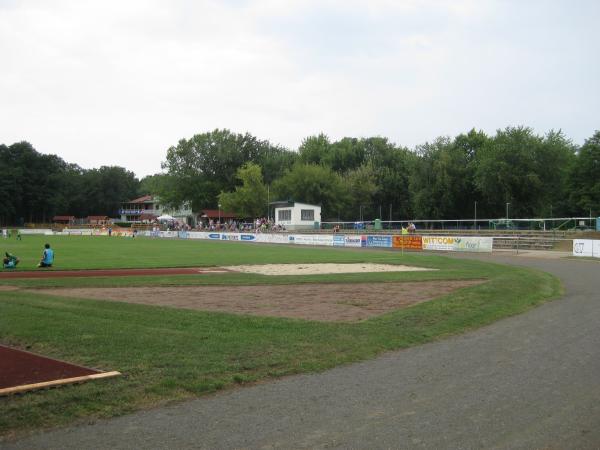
(351,178)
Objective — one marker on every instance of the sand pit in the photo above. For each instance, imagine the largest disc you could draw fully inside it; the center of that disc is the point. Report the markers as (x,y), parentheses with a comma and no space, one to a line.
(328,302)
(316,269)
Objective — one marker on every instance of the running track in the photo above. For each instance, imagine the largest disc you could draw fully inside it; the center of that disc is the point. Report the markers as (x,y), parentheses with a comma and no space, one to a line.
(531,381)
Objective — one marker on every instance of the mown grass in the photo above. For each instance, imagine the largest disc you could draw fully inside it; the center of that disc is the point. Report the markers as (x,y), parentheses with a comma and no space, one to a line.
(169,354)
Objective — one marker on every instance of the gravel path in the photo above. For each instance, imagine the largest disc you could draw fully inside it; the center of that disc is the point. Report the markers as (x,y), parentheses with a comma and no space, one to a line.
(531,381)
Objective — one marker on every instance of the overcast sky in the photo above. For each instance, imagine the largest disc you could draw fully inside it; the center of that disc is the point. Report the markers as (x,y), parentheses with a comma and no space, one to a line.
(119,82)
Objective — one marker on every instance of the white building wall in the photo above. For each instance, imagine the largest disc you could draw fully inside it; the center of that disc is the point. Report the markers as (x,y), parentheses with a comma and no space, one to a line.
(296,221)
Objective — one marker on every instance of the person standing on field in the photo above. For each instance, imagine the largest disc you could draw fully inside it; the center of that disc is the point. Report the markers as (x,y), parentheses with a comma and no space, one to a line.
(47,257)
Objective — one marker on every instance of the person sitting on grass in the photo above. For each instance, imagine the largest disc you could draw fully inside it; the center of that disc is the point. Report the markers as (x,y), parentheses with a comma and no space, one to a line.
(10,261)
(47,257)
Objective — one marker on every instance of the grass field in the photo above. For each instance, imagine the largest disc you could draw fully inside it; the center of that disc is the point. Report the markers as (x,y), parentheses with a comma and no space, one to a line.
(169,354)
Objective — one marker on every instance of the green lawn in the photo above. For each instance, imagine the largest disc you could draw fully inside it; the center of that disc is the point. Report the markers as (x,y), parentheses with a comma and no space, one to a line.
(169,354)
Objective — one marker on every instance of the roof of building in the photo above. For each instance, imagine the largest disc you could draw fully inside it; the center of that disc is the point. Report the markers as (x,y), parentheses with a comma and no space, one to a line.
(288,203)
(145,198)
(63,218)
(211,213)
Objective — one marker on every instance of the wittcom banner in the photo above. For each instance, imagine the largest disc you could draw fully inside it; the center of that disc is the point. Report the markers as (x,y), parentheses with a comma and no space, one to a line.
(458,243)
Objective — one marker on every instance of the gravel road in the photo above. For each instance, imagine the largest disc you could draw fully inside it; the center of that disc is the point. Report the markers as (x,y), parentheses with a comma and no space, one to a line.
(530,381)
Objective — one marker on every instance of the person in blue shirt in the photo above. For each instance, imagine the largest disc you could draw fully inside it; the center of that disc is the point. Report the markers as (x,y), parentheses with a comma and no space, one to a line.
(10,261)
(47,257)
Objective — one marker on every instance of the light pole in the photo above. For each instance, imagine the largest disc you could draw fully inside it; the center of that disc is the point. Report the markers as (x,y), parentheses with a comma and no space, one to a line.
(475,221)
(360,213)
(219,214)
(507,203)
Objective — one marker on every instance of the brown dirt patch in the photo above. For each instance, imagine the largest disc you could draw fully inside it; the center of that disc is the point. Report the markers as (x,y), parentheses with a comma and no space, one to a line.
(347,302)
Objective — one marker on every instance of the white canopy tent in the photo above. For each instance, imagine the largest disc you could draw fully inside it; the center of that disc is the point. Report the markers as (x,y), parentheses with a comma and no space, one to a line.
(165,217)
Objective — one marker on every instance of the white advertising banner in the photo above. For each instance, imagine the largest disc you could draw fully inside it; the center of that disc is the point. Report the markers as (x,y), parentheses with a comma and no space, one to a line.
(458,243)
(77,232)
(45,231)
(197,235)
(272,238)
(586,247)
(312,239)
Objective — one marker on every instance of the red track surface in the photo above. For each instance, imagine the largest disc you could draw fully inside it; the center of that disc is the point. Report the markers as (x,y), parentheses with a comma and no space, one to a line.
(45,273)
(18,367)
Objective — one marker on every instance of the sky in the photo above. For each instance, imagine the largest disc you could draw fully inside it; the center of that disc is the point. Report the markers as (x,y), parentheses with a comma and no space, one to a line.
(119,82)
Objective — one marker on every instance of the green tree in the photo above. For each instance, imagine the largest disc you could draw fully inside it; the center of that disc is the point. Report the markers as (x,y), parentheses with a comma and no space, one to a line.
(585,178)
(107,187)
(249,199)
(207,164)
(313,184)
(528,171)
(439,180)
(314,149)
(361,187)
(345,155)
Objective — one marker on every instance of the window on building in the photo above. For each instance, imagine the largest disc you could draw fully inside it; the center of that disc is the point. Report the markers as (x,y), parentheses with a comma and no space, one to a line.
(284,214)
(307,214)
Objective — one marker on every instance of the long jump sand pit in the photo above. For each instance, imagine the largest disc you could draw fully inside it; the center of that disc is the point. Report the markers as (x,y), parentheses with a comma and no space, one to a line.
(330,302)
(322,268)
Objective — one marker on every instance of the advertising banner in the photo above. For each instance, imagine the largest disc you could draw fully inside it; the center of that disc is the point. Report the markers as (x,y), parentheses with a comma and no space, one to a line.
(123,232)
(379,241)
(407,242)
(77,232)
(272,238)
(167,234)
(353,240)
(230,237)
(586,247)
(339,240)
(45,231)
(457,243)
(312,239)
(197,235)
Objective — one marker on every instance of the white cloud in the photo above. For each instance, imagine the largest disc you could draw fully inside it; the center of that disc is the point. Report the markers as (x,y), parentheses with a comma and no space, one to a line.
(119,82)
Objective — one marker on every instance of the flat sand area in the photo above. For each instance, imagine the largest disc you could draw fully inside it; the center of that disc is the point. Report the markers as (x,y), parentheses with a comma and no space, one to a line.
(322,268)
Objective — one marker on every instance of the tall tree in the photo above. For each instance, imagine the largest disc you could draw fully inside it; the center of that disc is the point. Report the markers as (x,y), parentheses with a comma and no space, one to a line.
(314,149)
(249,200)
(439,180)
(313,184)
(585,178)
(206,164)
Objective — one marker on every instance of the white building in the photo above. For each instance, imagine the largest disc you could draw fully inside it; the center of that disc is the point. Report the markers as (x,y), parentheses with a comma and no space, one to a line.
(296,216)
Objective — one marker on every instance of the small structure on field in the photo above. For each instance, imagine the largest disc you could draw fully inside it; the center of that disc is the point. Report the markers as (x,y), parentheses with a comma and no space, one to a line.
(296,216)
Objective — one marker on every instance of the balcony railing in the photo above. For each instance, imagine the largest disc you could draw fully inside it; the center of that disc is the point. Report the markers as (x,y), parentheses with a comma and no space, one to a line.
(140,211)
